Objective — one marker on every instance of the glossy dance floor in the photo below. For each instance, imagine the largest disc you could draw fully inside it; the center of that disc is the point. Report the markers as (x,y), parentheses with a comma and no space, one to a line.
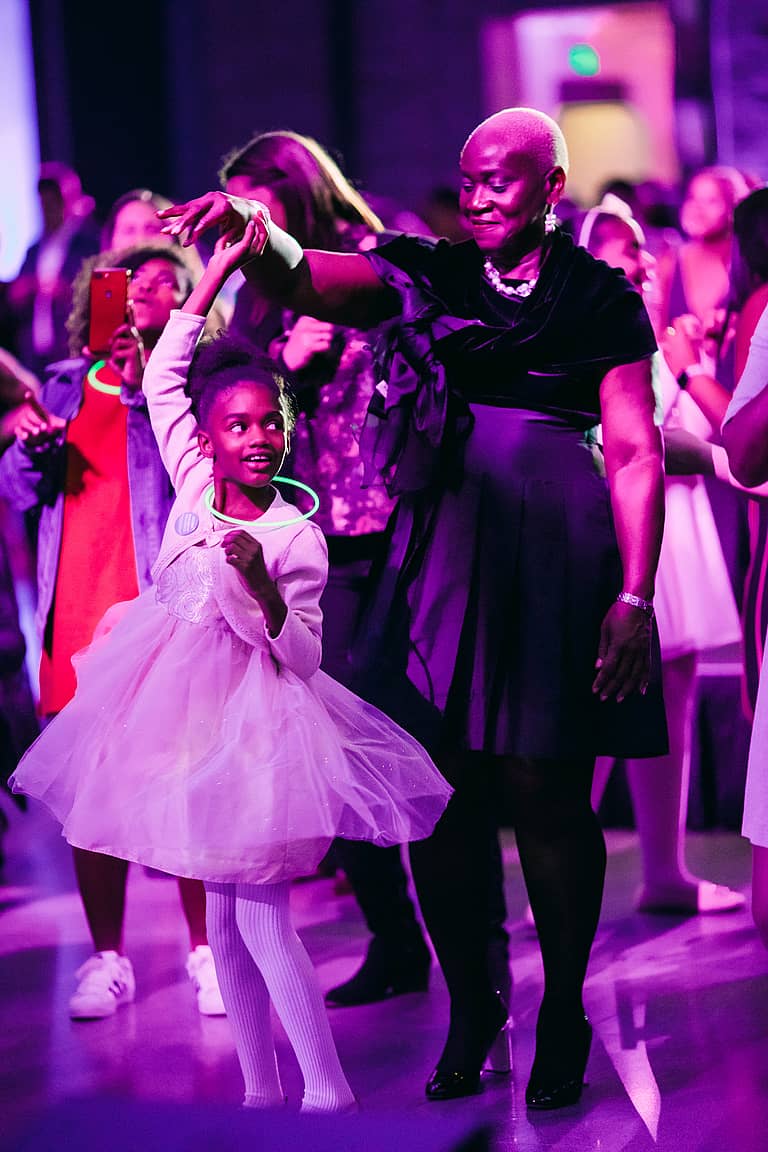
(679,1007)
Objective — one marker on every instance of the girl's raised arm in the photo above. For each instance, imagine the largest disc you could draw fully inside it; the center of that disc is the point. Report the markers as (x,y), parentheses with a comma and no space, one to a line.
(165,377)
(170,411)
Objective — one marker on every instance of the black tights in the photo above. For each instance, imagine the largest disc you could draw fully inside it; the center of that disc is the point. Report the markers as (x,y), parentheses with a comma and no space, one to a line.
(562,853)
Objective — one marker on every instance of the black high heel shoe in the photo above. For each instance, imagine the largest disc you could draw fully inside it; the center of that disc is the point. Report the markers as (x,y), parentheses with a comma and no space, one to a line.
(491,1047)
(557,1076)
(384,973)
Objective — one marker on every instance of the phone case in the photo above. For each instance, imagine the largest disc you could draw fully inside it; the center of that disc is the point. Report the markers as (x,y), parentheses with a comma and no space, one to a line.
(108,306)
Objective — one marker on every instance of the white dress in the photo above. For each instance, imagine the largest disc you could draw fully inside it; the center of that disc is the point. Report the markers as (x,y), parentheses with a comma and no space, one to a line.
(198,743)
(191,750)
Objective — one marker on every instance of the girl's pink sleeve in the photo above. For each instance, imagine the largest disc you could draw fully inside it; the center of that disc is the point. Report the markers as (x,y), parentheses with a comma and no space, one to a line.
(165,379)
(298,647)
(301,572)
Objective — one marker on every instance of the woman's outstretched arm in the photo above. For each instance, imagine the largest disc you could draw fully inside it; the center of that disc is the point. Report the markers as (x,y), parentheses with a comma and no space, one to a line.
(339,286)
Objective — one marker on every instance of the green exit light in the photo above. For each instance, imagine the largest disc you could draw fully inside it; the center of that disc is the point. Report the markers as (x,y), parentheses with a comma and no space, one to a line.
(583,60)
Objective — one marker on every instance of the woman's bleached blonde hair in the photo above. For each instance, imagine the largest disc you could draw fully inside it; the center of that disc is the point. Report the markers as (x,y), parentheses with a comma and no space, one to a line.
(528,131)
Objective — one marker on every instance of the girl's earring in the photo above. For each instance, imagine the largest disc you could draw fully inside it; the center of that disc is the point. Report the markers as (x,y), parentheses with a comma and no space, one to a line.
(550,220)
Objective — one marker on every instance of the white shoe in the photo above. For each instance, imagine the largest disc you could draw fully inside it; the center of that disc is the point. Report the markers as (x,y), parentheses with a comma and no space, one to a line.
(701,897)
(202,972)
(106,982)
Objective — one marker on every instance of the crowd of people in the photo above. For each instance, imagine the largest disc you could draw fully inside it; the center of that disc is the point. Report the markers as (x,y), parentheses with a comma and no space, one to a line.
(354,538)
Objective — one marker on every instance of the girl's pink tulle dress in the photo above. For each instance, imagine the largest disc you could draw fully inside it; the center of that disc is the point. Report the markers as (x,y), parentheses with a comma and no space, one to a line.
(191,750)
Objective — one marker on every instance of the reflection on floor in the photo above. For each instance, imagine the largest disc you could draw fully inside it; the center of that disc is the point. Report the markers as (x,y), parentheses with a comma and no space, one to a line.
(679,1007)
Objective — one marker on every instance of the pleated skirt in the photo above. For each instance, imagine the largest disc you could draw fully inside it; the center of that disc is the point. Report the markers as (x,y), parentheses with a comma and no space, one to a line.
(484,621)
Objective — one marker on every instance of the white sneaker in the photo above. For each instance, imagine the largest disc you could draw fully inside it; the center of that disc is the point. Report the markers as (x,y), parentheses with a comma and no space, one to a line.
(202,972)
(106,982)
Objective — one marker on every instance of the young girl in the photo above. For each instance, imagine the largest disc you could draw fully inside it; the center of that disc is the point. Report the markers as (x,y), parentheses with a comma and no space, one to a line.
(239,761)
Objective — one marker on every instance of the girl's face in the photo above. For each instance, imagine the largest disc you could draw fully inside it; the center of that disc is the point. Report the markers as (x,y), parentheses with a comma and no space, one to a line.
(706,213)
(245,434)
(136,223)
(154,290)
(245,186)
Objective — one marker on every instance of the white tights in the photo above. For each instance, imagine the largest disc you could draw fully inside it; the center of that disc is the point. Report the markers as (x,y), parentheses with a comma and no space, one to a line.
(259,957)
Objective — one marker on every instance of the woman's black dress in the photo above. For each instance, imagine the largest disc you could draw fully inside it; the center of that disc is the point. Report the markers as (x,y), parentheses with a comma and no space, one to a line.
(485,621)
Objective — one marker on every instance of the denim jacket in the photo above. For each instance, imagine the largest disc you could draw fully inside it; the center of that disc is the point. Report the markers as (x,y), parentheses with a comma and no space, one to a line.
(35,479)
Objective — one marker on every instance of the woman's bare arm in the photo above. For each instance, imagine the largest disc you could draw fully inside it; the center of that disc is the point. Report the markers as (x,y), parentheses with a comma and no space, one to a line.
(745,434)
(330,285)
(745,328)
(337,286)
(634,466)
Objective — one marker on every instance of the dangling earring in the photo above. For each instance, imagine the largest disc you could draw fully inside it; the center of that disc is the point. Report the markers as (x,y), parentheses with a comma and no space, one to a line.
(550,220)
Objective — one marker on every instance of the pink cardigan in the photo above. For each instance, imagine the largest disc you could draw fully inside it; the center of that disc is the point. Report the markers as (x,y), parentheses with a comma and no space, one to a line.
(296,555)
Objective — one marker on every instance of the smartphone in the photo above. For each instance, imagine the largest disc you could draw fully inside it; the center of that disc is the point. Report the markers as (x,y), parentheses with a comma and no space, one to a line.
(108,306)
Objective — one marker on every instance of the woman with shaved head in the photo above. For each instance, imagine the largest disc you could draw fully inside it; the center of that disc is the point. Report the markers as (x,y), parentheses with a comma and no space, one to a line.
(512,623)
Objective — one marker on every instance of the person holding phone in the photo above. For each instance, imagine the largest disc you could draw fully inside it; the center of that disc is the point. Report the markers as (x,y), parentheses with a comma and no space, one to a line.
(85,457)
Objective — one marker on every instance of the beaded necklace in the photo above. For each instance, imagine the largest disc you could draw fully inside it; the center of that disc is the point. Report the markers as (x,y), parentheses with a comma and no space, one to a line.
(505,287)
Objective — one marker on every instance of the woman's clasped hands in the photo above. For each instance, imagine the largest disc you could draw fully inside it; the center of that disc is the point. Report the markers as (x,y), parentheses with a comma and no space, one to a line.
(230,214)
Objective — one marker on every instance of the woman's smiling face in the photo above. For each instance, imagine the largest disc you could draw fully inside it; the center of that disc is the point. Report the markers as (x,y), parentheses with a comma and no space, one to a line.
(501,195)
(510,174)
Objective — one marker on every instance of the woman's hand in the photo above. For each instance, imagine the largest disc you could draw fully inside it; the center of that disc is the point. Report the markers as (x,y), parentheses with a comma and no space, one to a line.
(229,214)
(34,426)
(624,656)
(247,558)
(308,338)
(229,254)
(127,356)
(681,343)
